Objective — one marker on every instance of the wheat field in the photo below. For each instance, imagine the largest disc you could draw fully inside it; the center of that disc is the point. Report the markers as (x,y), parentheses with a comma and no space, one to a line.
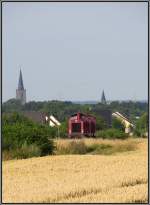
(119,178)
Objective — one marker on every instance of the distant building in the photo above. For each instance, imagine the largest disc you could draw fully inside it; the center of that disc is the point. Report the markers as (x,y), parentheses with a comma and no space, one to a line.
(21,92)
(41,118)
(37,117)
(103,99)
(127,124)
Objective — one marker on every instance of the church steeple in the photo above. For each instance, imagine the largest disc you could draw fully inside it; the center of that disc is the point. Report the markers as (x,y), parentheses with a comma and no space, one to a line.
(20,82)
(103,99)
(21,92)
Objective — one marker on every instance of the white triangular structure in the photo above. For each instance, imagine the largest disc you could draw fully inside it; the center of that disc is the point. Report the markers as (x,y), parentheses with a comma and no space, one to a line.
(124,121)
(53,121)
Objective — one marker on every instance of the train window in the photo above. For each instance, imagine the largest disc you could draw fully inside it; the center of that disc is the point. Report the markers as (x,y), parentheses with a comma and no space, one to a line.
(76,127)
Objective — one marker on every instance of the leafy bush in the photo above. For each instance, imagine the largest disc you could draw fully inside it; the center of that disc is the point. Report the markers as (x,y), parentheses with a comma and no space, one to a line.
(63,129)
(46,146)
(104,149)
(23,152)
(107,149)
(26,151)
(141,126)
(111,134)
(13,118)
(18,132)
(99,148)
(12,105)
(92,147)
(116,124)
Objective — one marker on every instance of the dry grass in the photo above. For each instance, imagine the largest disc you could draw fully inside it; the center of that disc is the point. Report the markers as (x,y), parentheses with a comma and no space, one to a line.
(95,146)
(78,178)
(89,141)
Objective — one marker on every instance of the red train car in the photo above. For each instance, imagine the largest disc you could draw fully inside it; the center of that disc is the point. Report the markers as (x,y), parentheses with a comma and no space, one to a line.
(81,124)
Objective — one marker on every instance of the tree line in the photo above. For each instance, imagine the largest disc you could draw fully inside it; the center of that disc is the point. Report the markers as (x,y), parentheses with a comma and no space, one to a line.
(22,138)
(63,109)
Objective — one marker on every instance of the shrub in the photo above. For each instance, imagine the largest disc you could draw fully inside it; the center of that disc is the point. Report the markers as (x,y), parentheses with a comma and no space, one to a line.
(92,147)
(21,133)
(116,124)
(13,118)
(26,151)
(111,134)
(63,130)
(142,126)
(99,149)
(46,146)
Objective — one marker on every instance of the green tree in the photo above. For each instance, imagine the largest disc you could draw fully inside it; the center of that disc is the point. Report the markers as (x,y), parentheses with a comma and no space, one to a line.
(17,130)
(116,124)
(12,105)
(100,122)
(63,129)
(142,125)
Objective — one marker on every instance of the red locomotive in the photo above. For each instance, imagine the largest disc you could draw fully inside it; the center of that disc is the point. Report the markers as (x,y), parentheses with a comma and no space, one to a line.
(80,124)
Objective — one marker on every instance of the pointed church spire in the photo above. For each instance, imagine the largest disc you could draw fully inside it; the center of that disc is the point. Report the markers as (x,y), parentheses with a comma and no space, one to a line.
(20,83)
(21,92)
(103,99)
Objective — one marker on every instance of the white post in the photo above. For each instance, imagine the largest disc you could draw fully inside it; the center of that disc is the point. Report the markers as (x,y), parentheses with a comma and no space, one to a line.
(58,131)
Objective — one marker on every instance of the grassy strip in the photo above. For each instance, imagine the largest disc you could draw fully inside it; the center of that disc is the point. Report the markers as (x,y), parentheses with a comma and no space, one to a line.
(80,147)
(76,146)
(24,152)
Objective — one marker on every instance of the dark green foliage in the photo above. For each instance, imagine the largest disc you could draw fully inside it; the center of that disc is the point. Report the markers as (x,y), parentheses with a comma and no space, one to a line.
(108,149)
(116,124)
(26,151)
(63,129)
(100,123)
(111,134)
(18,131)
(53,131)
(46,146)
(101,149)
(141,126)
(15,118)
(12,105)
(98,148)
(63,110)
(33,106)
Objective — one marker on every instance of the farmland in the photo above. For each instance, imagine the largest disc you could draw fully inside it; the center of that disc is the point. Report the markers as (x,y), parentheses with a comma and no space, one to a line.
(120,177)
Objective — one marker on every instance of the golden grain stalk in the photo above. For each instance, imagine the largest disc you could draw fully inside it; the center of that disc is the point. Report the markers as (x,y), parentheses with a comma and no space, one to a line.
(78,178)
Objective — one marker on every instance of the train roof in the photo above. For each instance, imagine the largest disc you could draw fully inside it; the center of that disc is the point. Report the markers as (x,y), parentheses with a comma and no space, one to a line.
(82,114)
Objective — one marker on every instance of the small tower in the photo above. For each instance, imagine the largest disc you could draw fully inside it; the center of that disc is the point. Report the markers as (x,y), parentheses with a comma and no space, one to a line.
(21,92)
(103,99)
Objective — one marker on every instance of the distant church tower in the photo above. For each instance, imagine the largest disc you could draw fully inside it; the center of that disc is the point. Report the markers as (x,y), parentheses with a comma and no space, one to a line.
(21,92)
(103,99)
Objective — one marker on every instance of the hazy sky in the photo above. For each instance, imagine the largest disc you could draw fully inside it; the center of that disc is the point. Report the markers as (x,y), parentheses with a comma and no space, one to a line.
(72,51)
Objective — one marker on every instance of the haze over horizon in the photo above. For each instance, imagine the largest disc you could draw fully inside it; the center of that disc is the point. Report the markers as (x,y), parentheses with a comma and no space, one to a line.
(74,51)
